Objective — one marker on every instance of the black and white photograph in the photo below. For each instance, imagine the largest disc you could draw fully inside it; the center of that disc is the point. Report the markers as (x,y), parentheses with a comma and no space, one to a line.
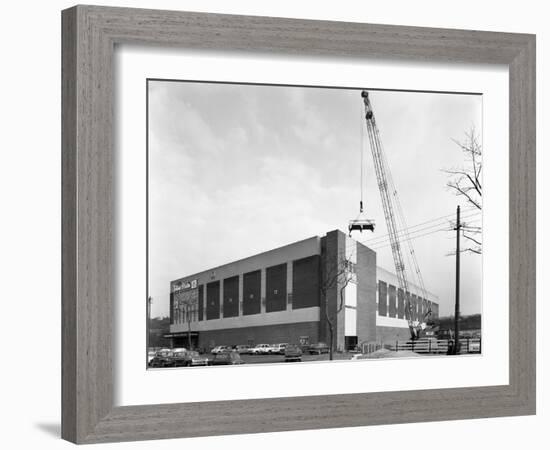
(275,224)
(299,224)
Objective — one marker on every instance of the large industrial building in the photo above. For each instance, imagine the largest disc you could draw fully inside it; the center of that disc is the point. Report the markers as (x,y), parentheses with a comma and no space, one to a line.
(286,294)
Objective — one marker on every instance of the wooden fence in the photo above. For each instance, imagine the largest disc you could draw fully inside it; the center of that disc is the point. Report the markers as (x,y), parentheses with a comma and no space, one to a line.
(467,345)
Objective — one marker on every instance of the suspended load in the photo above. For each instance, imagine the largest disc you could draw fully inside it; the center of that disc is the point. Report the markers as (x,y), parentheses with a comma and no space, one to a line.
(360,223)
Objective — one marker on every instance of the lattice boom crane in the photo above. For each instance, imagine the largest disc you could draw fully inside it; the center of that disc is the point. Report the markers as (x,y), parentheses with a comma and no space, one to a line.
(390,205)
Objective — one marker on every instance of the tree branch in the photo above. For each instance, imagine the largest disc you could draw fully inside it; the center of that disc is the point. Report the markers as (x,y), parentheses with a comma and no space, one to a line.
(471,238)
(464,192)
(474,184)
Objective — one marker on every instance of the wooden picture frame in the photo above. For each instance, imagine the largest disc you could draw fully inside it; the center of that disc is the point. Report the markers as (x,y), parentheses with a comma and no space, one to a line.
(89,36)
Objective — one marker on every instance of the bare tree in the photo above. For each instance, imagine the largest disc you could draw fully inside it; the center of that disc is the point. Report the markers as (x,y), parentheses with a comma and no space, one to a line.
(338,276)
(466,182)
(187,302)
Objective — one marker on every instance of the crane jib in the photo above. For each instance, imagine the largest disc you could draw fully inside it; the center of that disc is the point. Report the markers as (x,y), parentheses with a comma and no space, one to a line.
(389,206)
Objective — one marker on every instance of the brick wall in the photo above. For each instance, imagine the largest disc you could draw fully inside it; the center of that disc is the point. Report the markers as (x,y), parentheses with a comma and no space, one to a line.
(269,334)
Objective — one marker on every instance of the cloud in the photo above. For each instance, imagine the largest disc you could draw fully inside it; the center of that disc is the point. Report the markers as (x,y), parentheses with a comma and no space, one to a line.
(236,170)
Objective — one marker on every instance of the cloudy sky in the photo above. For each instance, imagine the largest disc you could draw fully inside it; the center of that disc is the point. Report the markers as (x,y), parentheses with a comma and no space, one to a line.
(236,170)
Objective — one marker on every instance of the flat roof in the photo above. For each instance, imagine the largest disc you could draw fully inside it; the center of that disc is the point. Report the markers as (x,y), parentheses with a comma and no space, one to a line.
(293,251)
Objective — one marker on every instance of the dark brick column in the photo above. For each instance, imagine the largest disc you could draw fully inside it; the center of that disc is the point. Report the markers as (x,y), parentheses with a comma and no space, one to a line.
(366,294)
(333,247)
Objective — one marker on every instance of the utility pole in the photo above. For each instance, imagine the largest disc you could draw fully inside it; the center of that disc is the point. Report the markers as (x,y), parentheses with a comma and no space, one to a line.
(148,324)
(457,288)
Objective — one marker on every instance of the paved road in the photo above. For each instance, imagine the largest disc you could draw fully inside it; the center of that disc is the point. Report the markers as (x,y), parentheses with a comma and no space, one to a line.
(270,359)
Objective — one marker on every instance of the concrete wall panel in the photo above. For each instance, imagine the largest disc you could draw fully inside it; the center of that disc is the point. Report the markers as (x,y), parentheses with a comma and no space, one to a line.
(231,297)
(275,296)
(305,282)
(213,300)
(252,292)
(392,301)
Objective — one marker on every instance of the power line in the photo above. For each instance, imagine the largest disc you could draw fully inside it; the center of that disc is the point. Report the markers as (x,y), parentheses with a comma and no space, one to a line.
(413,237)
(435,219)
(385,237)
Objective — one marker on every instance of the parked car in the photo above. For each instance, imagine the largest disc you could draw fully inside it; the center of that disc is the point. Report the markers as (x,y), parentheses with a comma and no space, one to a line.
(162,358)
(292,353)
(260,349)
(472,345)
(177,358)
(318,348)
(193,358)
(220,349)
(242,349)
(226,359)
(277,349)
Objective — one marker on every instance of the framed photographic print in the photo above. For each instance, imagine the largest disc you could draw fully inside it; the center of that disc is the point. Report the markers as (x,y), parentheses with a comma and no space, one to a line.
(277,224)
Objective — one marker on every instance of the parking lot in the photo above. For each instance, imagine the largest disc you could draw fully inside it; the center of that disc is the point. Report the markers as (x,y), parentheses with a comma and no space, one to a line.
(306,357)
(226,355)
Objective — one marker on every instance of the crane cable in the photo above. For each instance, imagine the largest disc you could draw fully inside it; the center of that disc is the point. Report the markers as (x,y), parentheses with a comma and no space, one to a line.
(361,150)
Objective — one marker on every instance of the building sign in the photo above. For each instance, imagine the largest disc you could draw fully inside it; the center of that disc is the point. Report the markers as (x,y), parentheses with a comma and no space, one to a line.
(183,285)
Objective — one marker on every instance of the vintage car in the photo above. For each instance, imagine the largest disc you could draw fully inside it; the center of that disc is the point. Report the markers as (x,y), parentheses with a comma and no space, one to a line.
(260,349)
(242,349)
(277,349)
(220,349)
(293,353)
(193,358)
(162,358)
(318,348)
(177,357)
(226,359)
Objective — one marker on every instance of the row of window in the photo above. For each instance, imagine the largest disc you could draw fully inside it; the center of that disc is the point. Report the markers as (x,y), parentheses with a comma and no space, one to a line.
(305,279)
(392,303)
